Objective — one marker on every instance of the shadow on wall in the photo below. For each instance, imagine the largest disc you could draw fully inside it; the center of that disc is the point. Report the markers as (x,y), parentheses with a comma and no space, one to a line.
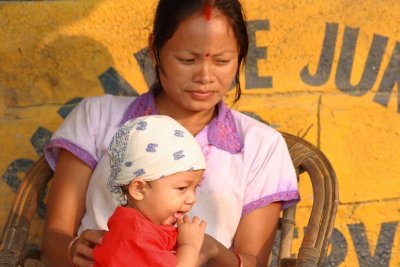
(32,73)
(69,65)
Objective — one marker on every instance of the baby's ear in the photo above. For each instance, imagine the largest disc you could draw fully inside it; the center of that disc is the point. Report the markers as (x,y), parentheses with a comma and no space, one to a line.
(136,189)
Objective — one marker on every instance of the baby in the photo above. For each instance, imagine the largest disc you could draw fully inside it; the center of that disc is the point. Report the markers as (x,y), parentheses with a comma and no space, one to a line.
(156,165)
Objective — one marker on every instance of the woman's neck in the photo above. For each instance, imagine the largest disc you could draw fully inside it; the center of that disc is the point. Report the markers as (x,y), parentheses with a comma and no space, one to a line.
(196,122)
(193,121)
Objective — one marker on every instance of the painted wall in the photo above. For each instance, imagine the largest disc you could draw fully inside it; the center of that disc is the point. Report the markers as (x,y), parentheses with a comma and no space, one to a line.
(327,71)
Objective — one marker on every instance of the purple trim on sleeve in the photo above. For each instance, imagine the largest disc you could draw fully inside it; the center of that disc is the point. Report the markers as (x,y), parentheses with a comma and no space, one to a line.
(52,151)
(222,131)
(288,198)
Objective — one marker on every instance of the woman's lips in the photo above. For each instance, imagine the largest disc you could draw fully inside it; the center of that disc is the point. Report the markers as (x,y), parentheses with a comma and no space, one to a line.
(201,95)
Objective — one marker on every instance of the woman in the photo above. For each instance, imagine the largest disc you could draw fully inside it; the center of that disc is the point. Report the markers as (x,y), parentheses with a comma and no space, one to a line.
(197,47)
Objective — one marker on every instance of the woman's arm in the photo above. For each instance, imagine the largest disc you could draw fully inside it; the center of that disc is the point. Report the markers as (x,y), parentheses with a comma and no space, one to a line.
(253,240)
(65,208)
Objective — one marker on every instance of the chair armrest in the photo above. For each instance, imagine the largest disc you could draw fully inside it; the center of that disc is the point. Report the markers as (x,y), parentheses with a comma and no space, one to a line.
(13,250)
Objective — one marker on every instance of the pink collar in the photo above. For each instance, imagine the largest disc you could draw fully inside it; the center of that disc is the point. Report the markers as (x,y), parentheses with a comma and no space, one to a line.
(221,132)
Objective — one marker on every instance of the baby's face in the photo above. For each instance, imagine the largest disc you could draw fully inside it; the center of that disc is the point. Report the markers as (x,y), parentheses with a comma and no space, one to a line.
(169,198)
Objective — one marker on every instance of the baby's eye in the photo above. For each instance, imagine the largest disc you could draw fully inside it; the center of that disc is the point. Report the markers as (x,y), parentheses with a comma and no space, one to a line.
(181,188)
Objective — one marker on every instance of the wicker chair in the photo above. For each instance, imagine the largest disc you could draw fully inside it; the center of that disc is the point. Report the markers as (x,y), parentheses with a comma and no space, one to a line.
(306,158)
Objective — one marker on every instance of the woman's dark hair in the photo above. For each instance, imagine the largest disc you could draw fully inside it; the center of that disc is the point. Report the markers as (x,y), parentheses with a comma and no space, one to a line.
(170,13)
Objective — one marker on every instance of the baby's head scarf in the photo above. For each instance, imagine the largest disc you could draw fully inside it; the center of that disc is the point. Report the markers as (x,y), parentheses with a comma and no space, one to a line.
(150,148)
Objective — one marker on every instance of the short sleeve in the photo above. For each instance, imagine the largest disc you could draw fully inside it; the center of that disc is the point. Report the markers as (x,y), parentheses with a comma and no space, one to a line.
(271,177)
(76,134)
(140,249)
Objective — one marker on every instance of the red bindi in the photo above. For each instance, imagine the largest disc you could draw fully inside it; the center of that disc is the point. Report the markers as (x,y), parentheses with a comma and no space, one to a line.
(207,11)
(207,54)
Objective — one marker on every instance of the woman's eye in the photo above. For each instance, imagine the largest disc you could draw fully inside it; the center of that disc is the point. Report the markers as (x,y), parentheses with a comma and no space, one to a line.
(186,60)
(222,61)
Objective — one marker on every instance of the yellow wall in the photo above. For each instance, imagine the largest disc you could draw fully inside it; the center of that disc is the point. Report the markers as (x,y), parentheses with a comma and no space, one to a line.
(52,52)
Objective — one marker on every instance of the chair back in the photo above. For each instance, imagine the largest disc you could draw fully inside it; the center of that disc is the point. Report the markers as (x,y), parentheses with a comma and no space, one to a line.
(310,159)
(306,158)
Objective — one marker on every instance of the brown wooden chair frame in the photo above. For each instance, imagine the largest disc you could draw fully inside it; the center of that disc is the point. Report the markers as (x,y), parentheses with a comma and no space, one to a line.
(306,158)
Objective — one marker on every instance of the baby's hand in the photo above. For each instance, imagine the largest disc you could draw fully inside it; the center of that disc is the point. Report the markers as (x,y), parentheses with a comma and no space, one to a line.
(191,232)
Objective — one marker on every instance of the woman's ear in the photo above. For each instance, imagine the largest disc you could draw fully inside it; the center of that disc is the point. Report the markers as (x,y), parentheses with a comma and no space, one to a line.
(151,49)
(136,189)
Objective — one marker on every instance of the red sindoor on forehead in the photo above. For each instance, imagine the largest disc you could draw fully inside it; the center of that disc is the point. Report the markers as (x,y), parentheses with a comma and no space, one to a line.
(207,11)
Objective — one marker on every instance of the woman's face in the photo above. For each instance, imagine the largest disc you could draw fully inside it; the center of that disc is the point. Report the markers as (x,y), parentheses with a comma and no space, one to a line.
(198,63)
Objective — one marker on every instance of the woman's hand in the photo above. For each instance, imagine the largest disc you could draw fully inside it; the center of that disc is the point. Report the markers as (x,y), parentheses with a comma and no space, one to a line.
(209,249)
(253,240)
(81,251)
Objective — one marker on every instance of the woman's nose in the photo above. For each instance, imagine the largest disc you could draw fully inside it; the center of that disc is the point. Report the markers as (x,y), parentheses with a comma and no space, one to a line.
(203,74)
